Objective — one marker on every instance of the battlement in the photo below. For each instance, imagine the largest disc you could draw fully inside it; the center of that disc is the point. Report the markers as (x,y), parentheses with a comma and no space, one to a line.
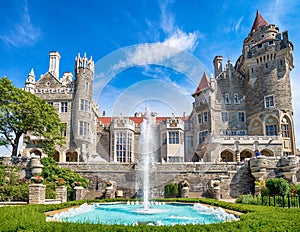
(83,62)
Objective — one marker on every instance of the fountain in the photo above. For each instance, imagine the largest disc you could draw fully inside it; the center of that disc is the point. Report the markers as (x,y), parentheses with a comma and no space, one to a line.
(133,213)
(146,161)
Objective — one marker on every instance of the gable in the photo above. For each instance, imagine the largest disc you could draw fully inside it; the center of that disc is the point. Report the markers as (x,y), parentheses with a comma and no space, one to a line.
(48,81)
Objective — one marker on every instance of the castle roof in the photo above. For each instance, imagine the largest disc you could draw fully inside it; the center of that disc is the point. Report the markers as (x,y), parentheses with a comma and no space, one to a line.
(258,22)
(203,84)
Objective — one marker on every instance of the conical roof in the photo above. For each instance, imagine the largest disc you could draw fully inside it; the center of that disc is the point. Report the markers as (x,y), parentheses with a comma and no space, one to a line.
(203,84)
(258,22)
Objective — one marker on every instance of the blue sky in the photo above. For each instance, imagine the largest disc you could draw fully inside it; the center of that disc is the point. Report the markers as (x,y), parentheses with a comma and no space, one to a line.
(110,30)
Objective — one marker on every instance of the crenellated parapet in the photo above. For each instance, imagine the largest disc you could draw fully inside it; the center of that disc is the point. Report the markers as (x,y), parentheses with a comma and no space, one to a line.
(83,62)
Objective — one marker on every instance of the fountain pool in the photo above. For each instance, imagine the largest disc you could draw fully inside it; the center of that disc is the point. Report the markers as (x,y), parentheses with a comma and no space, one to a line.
(134,214)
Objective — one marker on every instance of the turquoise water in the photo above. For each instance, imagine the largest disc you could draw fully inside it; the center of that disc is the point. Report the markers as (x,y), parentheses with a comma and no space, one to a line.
(159,214)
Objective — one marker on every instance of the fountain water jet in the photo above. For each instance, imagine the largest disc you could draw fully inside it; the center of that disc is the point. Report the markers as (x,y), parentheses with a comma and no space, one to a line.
(147,151)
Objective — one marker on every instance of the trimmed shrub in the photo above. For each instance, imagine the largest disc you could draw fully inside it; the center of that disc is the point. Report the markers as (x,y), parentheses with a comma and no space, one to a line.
(277,186)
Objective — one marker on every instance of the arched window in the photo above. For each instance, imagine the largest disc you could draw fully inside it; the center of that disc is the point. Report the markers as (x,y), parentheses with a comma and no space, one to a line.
(226,156)
(56,156)
(245,154)
(71,156)
(271,126)
(36,152)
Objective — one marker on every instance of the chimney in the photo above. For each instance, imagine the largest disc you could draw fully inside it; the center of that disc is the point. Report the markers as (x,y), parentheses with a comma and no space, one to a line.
(218,65)
(54,64)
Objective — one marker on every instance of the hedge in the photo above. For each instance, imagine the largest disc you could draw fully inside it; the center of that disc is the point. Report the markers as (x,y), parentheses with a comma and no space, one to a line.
(256,218)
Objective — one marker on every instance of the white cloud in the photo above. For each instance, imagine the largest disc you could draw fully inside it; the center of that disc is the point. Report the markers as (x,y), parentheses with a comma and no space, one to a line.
(22,33)
(237,26)
(145,54)
(167,19)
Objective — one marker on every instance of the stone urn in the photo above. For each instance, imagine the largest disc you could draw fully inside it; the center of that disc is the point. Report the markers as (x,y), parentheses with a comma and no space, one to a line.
(109,190)
(35,166)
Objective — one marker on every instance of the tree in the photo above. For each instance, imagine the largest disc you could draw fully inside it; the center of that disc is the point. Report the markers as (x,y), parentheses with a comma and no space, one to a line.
(23,113)
(277,186)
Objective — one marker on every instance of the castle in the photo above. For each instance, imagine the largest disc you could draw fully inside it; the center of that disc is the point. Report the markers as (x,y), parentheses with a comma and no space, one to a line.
(245,109)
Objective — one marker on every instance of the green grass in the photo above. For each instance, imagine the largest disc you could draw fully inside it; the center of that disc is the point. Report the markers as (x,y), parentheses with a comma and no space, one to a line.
(256,218)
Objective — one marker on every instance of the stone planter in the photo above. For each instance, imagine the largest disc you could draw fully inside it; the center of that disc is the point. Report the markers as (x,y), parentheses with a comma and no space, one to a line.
(79,193)
(109,192)
(35,166)
(185,192)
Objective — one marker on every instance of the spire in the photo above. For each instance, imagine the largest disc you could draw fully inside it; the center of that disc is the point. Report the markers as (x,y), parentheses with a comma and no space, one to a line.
(31,73)
(30,81)
(258,22)
(203,84)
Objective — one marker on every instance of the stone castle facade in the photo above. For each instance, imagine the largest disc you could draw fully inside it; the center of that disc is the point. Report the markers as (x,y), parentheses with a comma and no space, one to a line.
(245,109)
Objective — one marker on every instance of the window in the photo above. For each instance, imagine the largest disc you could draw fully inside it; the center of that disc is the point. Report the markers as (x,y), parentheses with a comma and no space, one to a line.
(236,97)
(270,42)
(87,86)
(285,130)
(241,116)
(174,159)
(202,135)
(259,46)
(224,116)
(199,118)
(124,146)
(271,130)
(64,130)
(173,137)
(84,128)
(227,101)
(50,103)
(205,116)
(269,101)
(85,105)
(64,107)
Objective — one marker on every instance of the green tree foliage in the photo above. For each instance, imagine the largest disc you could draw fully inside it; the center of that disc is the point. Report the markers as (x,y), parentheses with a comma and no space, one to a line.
(277,186)
(171,190)
(52,173)
(24,113)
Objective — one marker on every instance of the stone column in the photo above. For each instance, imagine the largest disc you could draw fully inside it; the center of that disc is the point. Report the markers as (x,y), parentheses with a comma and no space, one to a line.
(217,191)
(185,192)
(110,192)
(37,193)
(258,170)
(61,193)
(79,193)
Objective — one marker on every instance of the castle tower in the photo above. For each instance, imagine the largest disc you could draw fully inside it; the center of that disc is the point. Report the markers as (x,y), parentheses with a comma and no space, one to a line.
(84,115)
(266,62)
(54,63)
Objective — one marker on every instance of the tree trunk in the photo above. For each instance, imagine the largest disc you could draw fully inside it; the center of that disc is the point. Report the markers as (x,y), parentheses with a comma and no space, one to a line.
(16,144)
